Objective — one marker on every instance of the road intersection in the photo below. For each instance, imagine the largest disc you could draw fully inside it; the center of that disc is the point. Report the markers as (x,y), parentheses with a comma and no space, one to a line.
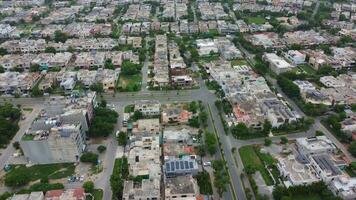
(120,100)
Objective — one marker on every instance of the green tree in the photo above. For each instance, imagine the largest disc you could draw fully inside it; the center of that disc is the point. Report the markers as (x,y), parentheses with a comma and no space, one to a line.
(16,145)
(193,107)
(20,178)
(352,148)
(288,87)
(103,123)
(210,142)
(3,51)
(88,186)
(268,142)
(60,36)
(221,176)
(44,187)
(50,50)
(17,69)
(342,17)
(97,87)
(101,148)
(122,138)
(35,68)
(89,157)
(129,68)
(194,122)
(203,116)
(2,69)
(108,64)
(284,140)
(201,150)
(36,92)
(240,130)
(137,115)
(267,126)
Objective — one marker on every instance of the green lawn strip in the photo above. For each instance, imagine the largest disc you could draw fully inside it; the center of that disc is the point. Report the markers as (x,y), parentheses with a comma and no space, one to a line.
(129,108)
(97,194)
(130,83)
(307,68)
(27,137)
(51,171)
(251,159)
(256,20)
(239,62)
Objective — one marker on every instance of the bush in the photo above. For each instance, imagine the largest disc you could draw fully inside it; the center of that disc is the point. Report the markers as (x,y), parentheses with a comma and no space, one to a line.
(89,157)
(268,142)
(101,148)
(129,68)
(211,142)
(122,138)
(44,187)
(20,178)
(352,148)
(284,140)
(88,186)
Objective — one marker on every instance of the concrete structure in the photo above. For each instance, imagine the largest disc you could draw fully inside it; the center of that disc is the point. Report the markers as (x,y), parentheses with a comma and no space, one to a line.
(277,64)
(344,187)
(148,108)
(69,194)
(31,196)
(295,172)
(181,187)
(58,135)
(315,145)
(180,167)
(295,57)
(147,189)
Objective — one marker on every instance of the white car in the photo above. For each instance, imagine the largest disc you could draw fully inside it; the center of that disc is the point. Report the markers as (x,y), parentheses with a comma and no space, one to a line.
(208,163)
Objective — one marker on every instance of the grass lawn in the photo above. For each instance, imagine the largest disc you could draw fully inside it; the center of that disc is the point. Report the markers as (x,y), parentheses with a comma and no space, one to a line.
(309,197)
(129,108)
(97,194)
(129,83)
(250,158)
(307,68)
(50,171)
(239,62)
(27,137)
(255,20)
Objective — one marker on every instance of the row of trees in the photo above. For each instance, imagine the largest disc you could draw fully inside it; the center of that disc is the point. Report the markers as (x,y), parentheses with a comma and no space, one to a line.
(318,189)
(241,131)
(221,176)
(9,116)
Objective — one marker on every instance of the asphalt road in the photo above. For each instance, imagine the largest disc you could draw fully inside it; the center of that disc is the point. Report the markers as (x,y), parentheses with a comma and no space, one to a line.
(120,100)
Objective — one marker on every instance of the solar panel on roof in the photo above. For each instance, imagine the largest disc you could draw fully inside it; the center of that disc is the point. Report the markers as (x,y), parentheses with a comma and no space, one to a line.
(168,167)
(177,164)
(172,166)
(181,165)
(191,165)
(186,164)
